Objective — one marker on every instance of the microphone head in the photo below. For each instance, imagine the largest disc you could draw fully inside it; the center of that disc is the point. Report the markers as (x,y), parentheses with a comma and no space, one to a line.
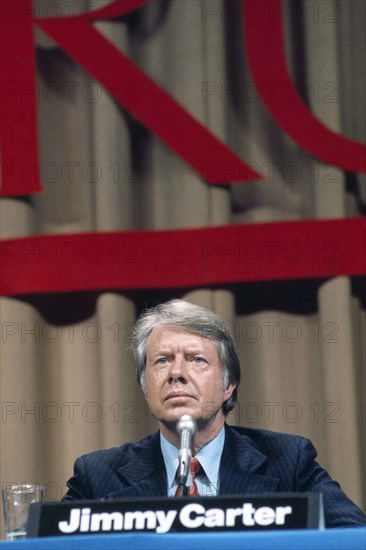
(186,422)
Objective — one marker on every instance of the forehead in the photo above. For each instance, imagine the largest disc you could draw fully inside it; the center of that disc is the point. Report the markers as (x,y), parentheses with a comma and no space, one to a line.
(171,335)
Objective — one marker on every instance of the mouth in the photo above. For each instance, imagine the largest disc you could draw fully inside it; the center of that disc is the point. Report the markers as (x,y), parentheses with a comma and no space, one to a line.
(178,396)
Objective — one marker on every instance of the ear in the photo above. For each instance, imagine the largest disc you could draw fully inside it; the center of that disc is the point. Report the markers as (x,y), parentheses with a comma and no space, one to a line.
(143,385)
(145,392)
(229,390)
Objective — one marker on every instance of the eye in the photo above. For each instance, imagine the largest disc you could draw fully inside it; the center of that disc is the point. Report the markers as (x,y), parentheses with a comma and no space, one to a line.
(161,361)
(199,359)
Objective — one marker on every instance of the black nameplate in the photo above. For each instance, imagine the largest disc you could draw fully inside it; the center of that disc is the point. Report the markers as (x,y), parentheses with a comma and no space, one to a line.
(187,514)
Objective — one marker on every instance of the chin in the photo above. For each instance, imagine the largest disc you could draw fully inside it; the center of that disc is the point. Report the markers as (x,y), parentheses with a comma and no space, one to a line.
(175,414)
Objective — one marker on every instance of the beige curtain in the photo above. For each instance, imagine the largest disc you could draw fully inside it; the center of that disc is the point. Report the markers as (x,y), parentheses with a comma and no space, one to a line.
(68,383)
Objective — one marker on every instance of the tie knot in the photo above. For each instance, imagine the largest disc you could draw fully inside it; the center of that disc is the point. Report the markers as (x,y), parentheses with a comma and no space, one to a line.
(194,466)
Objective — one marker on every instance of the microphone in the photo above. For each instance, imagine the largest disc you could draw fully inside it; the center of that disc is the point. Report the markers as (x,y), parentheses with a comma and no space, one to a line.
(186,427)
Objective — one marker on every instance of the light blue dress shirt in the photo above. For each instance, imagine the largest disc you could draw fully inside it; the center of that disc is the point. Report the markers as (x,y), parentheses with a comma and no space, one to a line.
(209,457)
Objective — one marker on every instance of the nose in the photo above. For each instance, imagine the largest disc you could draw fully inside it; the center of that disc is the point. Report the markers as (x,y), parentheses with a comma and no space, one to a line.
(178,370)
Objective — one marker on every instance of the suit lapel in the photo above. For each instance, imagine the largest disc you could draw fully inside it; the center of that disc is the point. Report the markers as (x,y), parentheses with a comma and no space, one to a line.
(145,476)
(243,467)
(242,470)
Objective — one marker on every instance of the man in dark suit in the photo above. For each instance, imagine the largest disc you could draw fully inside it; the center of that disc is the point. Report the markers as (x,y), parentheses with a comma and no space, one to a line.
(187,364)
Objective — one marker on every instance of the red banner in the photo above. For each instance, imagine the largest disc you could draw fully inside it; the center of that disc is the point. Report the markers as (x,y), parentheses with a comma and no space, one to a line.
(184,258)
(156,259)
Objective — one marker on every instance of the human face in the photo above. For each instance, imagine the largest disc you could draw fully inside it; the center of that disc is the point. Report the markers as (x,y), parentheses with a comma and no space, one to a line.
(184,376)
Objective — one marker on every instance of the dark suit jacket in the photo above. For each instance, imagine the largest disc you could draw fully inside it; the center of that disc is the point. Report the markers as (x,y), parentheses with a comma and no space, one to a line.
(252,462)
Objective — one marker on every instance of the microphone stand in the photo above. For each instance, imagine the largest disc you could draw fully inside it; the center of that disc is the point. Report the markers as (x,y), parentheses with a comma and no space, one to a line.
(186,427)
(183,490)
(183,475)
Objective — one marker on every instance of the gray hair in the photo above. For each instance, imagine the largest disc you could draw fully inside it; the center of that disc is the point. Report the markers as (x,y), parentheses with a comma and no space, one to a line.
(198,320)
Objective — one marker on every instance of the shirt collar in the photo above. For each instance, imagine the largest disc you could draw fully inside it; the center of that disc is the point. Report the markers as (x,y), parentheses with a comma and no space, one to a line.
(209,457)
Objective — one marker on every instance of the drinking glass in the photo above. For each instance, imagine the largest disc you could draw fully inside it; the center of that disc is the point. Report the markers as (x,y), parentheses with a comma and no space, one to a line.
(16,501)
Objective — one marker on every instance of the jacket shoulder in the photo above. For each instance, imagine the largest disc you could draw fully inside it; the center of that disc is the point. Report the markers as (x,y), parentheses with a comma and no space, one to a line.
(269,442)
(116,457)
(257,435)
